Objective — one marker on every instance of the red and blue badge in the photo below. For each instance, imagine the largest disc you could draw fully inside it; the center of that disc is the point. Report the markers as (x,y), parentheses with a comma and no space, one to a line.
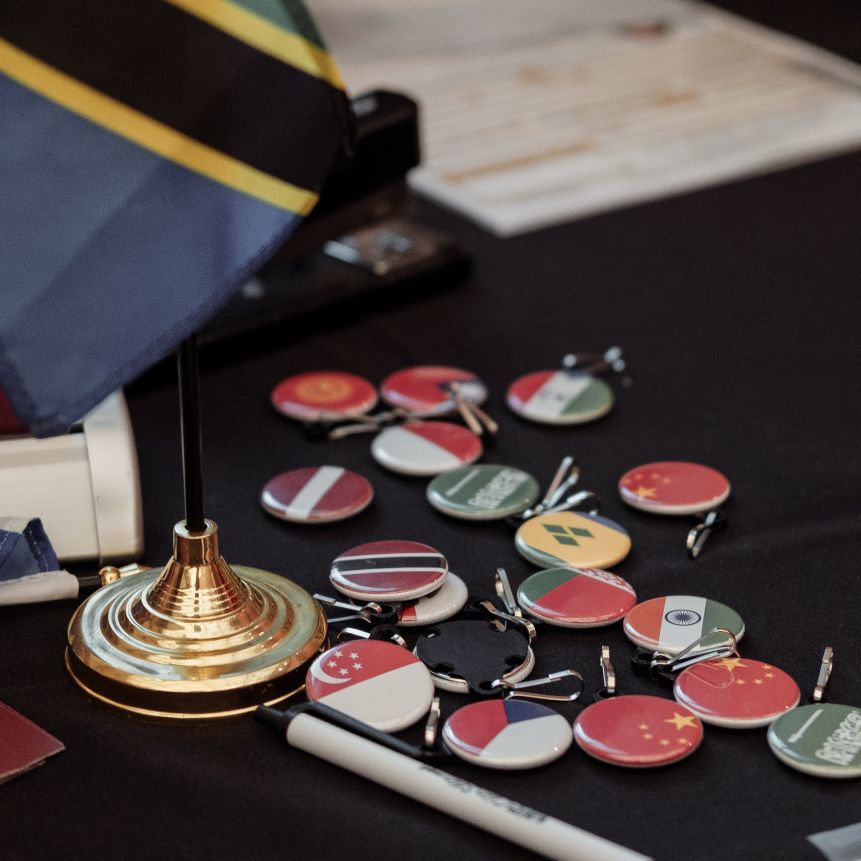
(507,734)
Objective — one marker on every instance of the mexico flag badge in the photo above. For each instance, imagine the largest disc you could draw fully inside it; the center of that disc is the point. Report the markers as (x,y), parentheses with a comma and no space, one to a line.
(673,623)
(560,397)
(374,681)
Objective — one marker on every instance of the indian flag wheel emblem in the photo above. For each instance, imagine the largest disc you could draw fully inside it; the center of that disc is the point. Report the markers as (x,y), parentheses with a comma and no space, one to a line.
(507,734)
(447,601)
(569,538)
(316,494)
(560,397)
(425,448)
(738,693)
(426,389)
(638,731)
(576,597)
(319,395)
(673,623)
(822,739)
(483,492)
(374,681)
(389,571)
(674,487)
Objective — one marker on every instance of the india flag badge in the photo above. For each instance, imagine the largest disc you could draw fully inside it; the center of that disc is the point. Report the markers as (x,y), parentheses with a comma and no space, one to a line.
(672,623)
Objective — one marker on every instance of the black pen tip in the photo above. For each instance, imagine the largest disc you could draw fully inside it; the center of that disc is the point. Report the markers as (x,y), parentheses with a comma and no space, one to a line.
(272,717)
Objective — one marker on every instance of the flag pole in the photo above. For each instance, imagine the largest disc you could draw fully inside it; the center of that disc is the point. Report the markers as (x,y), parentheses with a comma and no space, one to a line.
(188,368)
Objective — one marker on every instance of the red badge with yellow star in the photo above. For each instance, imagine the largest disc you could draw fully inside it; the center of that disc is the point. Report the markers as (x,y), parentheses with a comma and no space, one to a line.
(638,731)
(320,395)
(739,693)
(673,487)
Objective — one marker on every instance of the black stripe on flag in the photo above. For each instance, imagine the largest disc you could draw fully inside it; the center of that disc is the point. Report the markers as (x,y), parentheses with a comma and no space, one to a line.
(395,563)
(190,76)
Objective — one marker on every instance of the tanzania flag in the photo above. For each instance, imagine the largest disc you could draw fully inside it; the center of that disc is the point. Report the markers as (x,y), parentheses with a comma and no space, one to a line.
(154,153)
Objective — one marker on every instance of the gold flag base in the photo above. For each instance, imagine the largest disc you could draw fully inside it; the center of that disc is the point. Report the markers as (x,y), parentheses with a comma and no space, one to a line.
(198,639)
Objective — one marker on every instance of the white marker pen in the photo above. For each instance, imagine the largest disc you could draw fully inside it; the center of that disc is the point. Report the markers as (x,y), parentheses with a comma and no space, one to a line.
(307,730)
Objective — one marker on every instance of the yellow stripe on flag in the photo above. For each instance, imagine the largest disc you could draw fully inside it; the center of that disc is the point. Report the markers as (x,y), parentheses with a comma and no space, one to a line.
(265,36)
(151,134)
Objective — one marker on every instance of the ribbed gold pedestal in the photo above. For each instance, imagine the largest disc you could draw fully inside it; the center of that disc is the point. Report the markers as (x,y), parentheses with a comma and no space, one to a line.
(198,639)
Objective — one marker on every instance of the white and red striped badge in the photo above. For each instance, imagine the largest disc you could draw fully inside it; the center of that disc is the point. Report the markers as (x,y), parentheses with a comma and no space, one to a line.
(424,389)
(426,448)
(389,571)
(374,681)
(323,395)
(316,494)
(446,602)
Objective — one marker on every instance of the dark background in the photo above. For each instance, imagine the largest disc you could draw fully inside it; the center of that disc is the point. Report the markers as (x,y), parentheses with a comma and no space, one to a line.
(738,309)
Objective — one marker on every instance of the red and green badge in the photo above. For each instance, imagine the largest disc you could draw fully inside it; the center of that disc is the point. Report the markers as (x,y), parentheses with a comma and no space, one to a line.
(674,487)
(638,731)
(576,597)
(560,397)
(318,395)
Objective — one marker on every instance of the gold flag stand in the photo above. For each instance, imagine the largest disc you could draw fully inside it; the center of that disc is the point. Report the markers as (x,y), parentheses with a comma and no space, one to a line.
(199,639)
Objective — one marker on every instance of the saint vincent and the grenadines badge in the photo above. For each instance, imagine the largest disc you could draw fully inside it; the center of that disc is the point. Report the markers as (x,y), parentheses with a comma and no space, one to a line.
(738,693)
(673,623)
(573,539)
(507,734)
(560,397)
(576,597)
(483,492)
(822,739)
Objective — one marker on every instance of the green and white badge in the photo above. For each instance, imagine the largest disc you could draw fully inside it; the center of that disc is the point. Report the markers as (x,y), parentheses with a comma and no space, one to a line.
(822,739)
(483,492)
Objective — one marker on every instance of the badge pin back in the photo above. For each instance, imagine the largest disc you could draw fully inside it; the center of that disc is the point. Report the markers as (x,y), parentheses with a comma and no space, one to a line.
(672,623)
(576,597)
(425,389)
(737,693)
(470,654)
(674,487)
(572,538)
(446,602)
(507,734)
(389,571)
(823,739)
(483,492)
(374,681)
(425,448)
(318,395)
(316,494)
(560,397)
(637,731)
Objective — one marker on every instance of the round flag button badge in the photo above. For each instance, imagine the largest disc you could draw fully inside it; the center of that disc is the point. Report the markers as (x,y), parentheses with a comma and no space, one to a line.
(323,395)
(673,623)
(483,492)
(507,734)
(316,494)
(822,739)
(638,731)
(425,448)
(560,397)
(374,681)
(738,693)
(389,571)
(447,601)
(572,539)
(576,597)
(426,389)
(674,487)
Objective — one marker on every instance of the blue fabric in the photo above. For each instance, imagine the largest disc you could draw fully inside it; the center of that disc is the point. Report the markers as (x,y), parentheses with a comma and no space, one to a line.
(25,553)
(109,256)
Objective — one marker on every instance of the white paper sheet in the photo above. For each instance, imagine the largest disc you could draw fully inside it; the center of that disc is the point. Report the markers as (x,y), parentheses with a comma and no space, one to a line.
(542,111)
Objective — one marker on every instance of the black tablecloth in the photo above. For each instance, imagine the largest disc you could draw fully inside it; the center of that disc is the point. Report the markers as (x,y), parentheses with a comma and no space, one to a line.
(738,309)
